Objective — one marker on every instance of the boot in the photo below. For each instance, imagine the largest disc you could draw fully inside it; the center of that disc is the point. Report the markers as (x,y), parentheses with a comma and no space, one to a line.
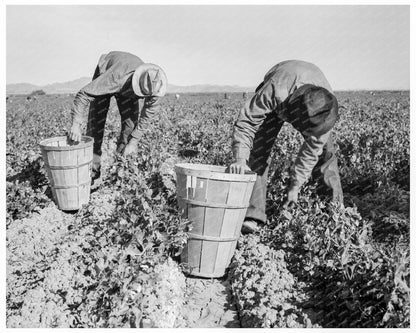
(250,226)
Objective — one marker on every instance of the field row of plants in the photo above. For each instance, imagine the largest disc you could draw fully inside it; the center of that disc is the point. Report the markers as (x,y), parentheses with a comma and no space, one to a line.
(110,264)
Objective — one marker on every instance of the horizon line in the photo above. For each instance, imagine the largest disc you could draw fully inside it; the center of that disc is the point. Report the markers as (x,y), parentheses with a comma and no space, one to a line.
(218,84)
(222,92)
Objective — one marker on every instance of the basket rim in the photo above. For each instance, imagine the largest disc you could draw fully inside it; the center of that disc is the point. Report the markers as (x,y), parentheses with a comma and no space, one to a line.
(213,172)
(87,141)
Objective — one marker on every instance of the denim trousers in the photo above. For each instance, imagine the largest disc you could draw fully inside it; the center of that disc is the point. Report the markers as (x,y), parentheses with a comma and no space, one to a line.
(129,112)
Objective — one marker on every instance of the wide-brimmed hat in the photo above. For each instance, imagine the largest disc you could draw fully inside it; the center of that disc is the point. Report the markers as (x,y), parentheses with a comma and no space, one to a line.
(312,110)
(149,80)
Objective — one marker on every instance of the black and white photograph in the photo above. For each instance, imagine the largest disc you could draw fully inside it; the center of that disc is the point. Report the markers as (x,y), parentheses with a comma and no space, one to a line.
(191,165)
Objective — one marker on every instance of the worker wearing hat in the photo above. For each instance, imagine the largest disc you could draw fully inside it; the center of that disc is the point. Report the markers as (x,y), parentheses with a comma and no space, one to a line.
(137,88)
(296,92)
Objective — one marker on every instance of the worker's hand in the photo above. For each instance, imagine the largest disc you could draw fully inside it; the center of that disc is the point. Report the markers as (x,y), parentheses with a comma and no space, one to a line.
(240,166)
(292,196)
(131,147)
(337,194)
(75,133)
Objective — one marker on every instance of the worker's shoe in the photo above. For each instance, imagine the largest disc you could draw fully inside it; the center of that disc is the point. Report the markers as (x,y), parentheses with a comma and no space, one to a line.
(251,226)
(95,178)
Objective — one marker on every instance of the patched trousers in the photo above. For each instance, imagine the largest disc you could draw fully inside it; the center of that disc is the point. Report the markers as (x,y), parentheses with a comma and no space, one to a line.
(325,171)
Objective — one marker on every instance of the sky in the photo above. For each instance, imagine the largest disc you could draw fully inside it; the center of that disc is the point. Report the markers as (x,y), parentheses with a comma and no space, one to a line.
(356,46)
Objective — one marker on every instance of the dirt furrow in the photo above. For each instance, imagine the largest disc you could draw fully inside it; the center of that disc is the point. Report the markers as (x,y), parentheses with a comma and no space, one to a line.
(209,304)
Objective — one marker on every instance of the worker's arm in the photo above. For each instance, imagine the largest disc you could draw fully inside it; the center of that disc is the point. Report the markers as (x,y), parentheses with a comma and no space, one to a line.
(80,107)
(249,120)
(150,109)
(105,84)
(148,113)
(305,161)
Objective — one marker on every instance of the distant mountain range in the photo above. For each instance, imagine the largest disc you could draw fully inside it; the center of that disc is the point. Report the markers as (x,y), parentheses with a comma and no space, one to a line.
(74,86)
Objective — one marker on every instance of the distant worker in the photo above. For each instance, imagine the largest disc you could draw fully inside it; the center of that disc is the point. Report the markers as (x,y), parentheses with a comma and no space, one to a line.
(137,88)
(177,96)
(296,92)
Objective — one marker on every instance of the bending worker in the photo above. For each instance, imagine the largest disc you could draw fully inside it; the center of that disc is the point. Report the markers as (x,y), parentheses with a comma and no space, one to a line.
(137,88)
(296,92)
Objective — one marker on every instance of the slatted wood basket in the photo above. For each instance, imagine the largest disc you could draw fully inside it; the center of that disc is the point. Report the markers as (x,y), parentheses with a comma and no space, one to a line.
(216,202)
(69,170)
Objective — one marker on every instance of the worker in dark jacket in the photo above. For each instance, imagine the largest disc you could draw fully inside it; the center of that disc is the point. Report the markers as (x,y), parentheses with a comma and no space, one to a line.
(296,92)
(137,88)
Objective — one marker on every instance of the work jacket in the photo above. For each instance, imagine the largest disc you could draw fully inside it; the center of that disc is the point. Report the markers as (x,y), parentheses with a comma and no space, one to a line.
(113,77)
(279,83)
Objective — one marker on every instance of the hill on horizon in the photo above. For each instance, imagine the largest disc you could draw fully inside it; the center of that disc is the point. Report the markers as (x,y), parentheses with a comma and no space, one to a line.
(74,86)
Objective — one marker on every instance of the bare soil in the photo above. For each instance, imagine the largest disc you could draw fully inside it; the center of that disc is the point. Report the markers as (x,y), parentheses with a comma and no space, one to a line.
(209,304)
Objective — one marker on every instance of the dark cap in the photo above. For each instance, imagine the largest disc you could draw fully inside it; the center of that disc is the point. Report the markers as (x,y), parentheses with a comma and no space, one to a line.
(312,110)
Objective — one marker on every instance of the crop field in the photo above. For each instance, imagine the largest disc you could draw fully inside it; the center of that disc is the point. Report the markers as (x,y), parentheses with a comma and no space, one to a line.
(115,262)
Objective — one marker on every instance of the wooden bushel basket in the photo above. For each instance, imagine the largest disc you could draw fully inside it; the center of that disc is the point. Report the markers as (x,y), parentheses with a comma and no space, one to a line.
(69,170)
(216,203)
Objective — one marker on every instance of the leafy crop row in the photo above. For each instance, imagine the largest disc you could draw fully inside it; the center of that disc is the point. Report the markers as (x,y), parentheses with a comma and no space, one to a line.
(266,291)
(354,261)
(112,269)
(316,265)
(26,178)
